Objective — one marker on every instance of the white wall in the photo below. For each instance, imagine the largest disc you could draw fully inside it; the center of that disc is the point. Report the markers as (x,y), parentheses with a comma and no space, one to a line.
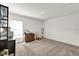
(32,24)
(64,29)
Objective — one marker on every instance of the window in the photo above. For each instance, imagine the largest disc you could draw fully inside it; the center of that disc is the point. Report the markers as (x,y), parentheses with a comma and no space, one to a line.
(16,27)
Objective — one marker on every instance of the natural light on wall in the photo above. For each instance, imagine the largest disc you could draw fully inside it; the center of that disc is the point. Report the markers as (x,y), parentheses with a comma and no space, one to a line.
(17,28)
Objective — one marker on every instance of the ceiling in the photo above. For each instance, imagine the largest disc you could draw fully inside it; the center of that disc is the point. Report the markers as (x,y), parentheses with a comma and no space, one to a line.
(43,11)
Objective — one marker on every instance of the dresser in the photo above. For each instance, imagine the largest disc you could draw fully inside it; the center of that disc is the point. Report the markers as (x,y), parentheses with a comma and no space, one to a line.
(29,37)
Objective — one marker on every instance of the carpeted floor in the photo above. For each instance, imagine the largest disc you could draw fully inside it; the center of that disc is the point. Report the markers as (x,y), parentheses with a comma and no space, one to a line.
(46,47)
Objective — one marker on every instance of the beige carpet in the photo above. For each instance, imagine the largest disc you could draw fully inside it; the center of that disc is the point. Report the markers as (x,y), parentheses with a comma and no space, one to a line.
(46,47)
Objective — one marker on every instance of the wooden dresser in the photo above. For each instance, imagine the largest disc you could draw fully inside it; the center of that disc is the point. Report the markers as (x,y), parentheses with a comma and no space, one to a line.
(29,37)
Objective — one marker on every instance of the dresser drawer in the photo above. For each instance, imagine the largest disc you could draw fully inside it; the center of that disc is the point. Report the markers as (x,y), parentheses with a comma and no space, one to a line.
(29,37)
